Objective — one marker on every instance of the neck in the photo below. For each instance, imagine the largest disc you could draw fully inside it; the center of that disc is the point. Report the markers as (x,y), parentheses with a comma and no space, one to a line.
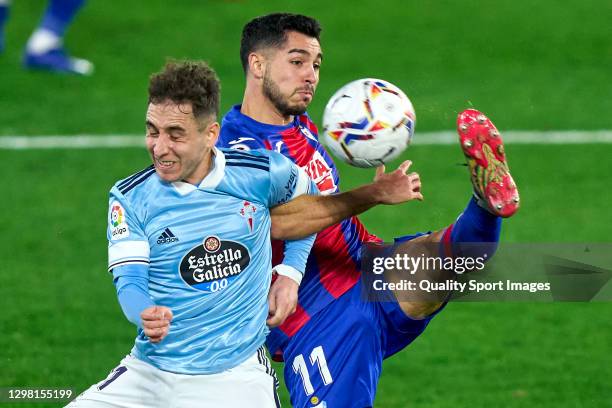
(258,107)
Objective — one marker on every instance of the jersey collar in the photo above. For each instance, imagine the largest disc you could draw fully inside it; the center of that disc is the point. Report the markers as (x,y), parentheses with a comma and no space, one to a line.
(234,115)
(212,179)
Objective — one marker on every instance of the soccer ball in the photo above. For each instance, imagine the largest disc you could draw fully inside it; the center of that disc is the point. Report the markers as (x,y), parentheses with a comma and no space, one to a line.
(368,122)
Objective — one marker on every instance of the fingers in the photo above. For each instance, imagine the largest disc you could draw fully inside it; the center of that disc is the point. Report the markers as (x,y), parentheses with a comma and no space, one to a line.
(166,313)
(276,319)
(271,304)
(156,330)
(380,170)
(405,166)
(149,313)
(399,186)
(282,301)
(156,335)
(414,177)
(156,322)
(277,312)
(415,185)
(283,310)
(156,313)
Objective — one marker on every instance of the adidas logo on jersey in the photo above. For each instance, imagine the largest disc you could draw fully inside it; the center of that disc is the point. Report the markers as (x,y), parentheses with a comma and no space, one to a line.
(166,237)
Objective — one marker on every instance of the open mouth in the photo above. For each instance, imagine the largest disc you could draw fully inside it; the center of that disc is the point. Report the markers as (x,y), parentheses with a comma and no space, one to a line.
(164,164)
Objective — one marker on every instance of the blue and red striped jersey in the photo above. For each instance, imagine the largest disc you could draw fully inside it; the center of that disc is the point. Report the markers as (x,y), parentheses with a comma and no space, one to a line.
(334,261)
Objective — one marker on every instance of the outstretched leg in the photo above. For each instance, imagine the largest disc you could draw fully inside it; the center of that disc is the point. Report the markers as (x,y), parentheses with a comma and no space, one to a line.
(495,197)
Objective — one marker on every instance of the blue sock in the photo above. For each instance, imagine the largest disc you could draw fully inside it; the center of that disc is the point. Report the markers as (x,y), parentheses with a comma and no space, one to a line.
(59,15)
(4,13)
(474,225)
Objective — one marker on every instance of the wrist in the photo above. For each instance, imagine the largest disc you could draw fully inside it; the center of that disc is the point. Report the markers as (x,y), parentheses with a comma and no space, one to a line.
(289,271)
(370,194)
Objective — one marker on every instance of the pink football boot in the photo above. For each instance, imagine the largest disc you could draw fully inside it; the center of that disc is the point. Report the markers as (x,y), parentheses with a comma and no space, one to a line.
(484,151)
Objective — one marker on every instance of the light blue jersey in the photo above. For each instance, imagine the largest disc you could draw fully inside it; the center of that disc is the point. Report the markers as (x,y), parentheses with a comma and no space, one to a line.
(208,254)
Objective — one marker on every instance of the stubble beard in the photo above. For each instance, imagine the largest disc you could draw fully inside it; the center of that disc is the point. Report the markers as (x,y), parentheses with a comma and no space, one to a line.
(274,94)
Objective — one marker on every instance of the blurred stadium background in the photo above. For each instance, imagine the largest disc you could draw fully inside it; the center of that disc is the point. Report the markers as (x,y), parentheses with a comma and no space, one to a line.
(544,65)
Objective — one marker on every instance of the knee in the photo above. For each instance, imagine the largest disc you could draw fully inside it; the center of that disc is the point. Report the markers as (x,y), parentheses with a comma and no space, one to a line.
(420,310)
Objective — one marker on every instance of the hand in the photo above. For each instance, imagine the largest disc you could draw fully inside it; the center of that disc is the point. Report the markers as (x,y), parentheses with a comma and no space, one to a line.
(397,187)
(156,322)
(282,300)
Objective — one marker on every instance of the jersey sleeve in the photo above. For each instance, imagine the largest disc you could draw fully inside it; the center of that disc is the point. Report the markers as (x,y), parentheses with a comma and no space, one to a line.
(297,251)
(287,180)
(133,291)
(127,242)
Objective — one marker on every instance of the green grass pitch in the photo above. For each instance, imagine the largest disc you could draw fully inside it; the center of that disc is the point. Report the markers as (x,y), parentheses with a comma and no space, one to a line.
(541,65)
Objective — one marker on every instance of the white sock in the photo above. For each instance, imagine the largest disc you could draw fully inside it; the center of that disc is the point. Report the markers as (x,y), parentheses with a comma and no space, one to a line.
(43,40)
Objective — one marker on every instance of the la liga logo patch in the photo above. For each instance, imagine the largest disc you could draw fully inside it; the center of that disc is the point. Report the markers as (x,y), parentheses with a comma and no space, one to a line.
(116,214)
(118,226)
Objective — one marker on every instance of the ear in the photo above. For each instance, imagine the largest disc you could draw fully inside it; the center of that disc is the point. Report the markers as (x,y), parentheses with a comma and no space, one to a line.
(212,133)
(257,63)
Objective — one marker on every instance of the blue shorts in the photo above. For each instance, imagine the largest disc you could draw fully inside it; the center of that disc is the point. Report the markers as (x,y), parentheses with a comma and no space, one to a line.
(335,360)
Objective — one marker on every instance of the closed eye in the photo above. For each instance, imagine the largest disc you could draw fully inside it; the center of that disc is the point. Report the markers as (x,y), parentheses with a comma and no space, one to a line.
(152,132)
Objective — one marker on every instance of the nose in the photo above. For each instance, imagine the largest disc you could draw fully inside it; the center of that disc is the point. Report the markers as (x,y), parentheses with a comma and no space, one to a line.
(161,146)
(311,76)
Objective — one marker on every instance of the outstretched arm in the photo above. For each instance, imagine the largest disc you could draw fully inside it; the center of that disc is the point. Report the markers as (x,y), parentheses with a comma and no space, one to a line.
(309,214)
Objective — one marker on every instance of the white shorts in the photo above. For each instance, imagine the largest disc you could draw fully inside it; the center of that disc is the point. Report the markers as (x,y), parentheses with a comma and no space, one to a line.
(136,384)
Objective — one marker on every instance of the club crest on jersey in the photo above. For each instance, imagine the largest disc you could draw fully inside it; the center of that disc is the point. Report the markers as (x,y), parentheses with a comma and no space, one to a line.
(247,212)
(117,222)
(306,132)
(211,244)
(212,265)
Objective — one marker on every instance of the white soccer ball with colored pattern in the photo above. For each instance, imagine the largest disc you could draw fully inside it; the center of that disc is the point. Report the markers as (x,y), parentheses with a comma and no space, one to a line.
(368,122)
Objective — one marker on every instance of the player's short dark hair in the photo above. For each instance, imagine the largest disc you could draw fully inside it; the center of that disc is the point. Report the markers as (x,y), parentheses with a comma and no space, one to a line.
(271,31)
(192,82)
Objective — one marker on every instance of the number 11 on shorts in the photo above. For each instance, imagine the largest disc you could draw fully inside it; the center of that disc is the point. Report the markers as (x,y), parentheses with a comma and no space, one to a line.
(317,356)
